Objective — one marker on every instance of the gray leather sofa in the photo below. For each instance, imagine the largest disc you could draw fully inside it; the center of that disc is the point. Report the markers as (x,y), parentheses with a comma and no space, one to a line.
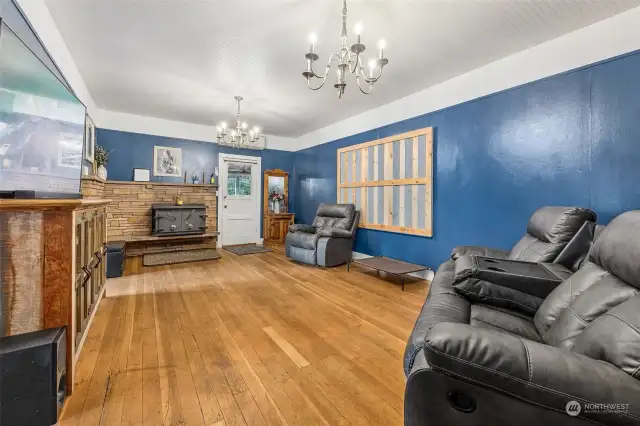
(326,242)
(549,230)
(470,363)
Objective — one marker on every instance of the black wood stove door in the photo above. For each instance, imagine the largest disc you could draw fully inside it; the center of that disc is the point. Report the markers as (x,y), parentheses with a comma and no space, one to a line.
(194,220)
(168,222)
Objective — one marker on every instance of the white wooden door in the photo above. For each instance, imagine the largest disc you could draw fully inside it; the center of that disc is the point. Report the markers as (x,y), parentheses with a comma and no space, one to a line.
(240,200)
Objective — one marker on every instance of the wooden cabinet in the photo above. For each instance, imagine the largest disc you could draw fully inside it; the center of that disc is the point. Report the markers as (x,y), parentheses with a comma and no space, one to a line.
(52,269)
(276,220)
(90,266)
(276,226)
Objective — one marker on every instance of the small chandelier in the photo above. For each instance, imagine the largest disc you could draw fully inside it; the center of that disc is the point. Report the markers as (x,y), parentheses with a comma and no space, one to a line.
(238,137)
(347,60)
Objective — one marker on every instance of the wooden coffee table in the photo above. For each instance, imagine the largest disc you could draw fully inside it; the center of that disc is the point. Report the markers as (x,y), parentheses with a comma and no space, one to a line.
(390,266)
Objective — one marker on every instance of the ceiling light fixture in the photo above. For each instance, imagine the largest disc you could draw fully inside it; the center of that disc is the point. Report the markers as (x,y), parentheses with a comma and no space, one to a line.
(347,60)
(238,137)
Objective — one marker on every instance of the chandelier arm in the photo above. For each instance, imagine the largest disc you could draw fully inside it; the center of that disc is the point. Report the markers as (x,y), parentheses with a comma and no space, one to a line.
(371,80)
(360,87)
(356,62)
(324,80)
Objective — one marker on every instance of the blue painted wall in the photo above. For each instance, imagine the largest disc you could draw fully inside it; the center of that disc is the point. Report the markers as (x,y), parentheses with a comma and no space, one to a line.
(135,150)
(571,139)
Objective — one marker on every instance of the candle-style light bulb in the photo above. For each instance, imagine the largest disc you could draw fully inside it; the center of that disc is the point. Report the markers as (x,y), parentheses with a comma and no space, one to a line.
(358,30)
(244,125)
(382,44)
(312,40)
(223,125)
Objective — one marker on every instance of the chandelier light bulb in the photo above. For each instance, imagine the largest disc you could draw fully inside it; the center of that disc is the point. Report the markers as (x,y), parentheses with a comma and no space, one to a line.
(223,125)
(313,38)
(244,126)
(372,64)
(219,129)
(358,28)
(382,44)
(233,133)
(257,130)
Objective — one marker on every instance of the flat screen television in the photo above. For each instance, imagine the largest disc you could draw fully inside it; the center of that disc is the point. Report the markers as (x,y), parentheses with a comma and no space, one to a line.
(42,126)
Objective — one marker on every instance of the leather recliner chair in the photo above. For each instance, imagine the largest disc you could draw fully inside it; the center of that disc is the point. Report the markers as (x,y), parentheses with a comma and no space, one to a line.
(549,230)
(326,242)
(576,361)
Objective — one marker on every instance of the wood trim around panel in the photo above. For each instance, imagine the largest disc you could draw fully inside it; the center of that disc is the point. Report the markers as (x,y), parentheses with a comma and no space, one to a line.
(343,183)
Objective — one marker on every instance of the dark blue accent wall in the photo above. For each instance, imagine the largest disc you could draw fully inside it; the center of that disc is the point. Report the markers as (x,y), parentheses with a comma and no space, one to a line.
(571,139)
(135,150)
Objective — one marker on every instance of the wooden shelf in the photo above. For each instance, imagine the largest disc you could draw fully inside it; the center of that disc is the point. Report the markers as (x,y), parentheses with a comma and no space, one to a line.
(126,182)
(50,203)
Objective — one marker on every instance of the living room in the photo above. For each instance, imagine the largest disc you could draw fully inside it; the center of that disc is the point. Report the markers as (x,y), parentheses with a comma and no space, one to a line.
(191,233)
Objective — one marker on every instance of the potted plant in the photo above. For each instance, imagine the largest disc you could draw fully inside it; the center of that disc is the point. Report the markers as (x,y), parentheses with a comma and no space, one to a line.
(275,197)
(101,159)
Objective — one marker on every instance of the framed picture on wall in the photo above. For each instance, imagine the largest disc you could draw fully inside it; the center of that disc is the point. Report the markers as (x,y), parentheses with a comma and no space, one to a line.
(90,139)
(167,161)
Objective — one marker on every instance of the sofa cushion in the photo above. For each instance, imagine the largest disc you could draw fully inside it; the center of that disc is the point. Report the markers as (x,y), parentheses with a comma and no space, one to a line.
(617,250)
(481,291)
(302,240)
(299,227)
(335,216)
(335,232)
(549,230)
(620,348)
(560,298)
(501,320)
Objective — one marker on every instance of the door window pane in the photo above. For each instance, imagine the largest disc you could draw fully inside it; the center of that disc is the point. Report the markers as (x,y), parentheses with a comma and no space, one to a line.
(239,179)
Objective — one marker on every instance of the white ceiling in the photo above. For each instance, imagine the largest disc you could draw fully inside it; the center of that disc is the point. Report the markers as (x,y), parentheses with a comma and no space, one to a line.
(184,60)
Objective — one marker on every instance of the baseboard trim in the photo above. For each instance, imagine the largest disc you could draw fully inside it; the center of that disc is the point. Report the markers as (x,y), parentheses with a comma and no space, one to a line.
(424,275)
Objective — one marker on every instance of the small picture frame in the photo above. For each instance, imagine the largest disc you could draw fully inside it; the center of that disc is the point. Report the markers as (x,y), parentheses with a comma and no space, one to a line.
(141,175)
(90,139)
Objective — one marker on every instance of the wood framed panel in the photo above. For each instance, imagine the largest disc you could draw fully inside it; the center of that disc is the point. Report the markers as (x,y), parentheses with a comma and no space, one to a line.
(390,181)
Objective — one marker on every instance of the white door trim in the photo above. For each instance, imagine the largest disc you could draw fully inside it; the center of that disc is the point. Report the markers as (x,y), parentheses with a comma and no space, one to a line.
(222,179)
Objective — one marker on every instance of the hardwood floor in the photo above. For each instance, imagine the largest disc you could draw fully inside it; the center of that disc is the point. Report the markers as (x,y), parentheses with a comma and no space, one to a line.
(250,340)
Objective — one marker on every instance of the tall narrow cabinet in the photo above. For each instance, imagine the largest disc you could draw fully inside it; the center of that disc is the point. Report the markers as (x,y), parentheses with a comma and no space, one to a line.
(52,269)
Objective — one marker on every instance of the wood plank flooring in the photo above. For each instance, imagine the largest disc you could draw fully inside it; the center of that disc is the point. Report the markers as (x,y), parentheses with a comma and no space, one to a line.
(245,340)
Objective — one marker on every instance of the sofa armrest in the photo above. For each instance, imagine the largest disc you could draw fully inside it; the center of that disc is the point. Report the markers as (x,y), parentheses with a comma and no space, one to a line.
(535,372)
(478,251)
(308,229)
(335,233)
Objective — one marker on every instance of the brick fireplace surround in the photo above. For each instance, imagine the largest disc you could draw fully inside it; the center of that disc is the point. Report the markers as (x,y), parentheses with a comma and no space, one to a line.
(129,213)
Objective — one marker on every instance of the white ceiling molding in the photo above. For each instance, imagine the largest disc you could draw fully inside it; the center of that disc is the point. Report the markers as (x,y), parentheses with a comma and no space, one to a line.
(174,129)
(38,15)
(606,39)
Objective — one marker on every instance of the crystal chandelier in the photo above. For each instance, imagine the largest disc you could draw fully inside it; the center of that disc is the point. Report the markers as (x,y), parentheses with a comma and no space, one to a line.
(238,137)
(348,60)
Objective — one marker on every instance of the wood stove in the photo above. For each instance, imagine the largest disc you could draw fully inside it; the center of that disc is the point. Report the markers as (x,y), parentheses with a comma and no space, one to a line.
(169,219)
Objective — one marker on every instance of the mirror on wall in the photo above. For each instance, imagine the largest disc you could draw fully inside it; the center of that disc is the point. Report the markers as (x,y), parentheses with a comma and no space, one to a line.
(276,191)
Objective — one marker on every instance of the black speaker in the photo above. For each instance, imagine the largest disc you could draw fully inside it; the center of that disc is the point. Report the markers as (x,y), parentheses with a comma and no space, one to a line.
(33,377)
